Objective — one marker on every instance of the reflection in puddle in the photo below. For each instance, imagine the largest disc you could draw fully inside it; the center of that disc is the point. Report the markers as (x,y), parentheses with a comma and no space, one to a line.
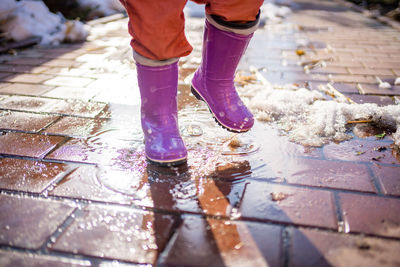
(212,153)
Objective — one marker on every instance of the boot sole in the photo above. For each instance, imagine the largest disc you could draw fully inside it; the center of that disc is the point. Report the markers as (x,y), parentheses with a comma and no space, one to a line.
(167,163)
(199,97)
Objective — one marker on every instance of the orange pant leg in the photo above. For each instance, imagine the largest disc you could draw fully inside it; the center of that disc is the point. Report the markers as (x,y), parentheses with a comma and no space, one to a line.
(233,10)
(157,28)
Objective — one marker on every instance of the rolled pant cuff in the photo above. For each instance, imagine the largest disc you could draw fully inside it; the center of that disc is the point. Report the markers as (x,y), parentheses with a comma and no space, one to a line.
(238,30)
(151,62)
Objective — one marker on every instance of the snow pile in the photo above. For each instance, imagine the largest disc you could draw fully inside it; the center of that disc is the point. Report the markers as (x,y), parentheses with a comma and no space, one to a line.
(194,10)
(24,19)
(310,119)
(102,8)
(272,13)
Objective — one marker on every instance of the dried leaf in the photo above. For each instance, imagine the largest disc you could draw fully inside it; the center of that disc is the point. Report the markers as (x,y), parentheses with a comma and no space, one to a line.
(383,85)
(300,52)
(381,136)
(245,79)
(278,196)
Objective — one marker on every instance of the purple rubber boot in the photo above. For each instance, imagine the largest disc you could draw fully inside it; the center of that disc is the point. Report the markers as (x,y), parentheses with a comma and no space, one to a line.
(158,91)
(213,81)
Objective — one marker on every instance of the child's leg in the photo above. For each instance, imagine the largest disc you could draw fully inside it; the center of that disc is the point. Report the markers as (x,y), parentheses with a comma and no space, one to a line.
(158,40)
(228,30)
(157,29)
(233,10)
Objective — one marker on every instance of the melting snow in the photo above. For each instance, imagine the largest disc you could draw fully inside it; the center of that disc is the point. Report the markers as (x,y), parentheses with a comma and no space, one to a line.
(310,119)
(24,19)
(102,7)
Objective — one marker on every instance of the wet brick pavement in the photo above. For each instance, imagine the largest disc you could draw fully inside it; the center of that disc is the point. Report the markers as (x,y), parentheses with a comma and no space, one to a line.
(75,189)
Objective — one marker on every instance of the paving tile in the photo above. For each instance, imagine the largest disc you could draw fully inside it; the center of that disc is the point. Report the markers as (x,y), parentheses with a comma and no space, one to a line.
(24,103)
(361,151)
(3,75)
(28,145)
(316,248)
(69,106)
(76,127)
(270,202)
(373,89)
(61,71)
(371,214)
(29,78)
(117,233)
(2,85)
(61,63)
(26,89)
(389,179)
(22,69)
(14,258)
(323,173)
(27,175)
(339,78)
(370,71)
(78,107)
(341,87)
(379,100)
(11,120)
(383,65)
(96,150)
(27,222)
(175,190)
(224,243)
(72,92)
(330,70)
(86,183)
(27,61)
(69,81)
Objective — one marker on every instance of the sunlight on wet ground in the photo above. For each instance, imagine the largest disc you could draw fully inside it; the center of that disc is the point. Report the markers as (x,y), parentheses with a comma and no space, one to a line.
(241,199)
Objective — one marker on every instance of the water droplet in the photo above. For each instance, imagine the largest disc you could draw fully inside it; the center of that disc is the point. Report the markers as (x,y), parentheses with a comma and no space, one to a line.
(221,114)
(239,245)
(149,131)
(235,214)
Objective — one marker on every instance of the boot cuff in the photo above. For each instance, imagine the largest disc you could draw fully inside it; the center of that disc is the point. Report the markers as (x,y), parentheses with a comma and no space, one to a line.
(235,27)
(151,62)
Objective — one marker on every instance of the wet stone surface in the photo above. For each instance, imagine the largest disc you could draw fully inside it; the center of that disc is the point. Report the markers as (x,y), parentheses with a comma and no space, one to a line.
(85,183)
(389,178)
(27,175)
(117,233)
(75,127)
(372,215)
(323,173)
(224,243)
(13,258)
(22,121)
(29,145)
(269,202)
(314,248)
(250,199)
(25,89)
(362,151)
(28,223)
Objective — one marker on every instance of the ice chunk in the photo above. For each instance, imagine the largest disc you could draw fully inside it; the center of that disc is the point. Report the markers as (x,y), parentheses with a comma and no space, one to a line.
(33,18)
(102,7)
(7,7)
(310,119)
